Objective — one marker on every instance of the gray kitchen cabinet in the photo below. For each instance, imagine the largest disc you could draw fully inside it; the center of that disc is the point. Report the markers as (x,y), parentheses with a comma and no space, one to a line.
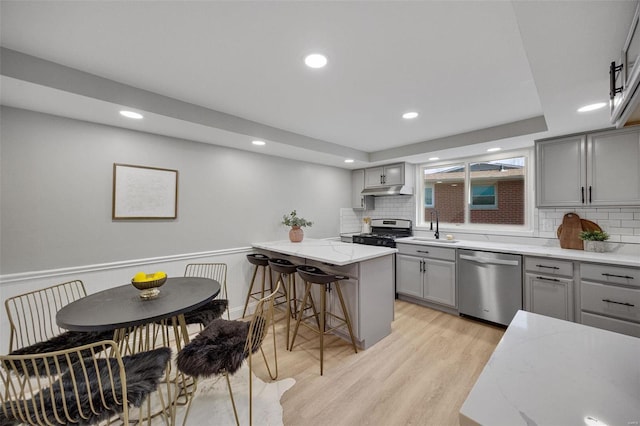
(393,174)
(548,287)
(359,201)
(596,169)
(610,297)
(427,273)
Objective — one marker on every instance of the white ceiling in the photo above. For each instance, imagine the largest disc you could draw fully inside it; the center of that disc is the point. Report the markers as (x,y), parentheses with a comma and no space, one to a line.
(480,73)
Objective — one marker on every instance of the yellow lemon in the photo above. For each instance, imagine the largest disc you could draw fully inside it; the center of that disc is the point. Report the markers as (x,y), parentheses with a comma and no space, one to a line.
(139,277)
(160,274)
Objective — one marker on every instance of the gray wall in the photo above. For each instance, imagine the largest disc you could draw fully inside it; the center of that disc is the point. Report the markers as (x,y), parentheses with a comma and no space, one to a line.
(56,189)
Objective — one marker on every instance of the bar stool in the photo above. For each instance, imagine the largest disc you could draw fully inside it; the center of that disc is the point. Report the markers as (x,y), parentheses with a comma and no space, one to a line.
(286,273)
(260,261)
(313,275)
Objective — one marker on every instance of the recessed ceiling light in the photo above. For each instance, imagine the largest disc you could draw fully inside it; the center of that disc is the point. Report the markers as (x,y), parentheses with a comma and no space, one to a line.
(259,143)
(315,60)
(493,149)
(434,158)
(409,115)
(348,160)
(592,107)
(131,114)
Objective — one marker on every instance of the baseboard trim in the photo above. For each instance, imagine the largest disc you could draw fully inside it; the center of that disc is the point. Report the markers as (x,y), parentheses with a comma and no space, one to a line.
(76,270)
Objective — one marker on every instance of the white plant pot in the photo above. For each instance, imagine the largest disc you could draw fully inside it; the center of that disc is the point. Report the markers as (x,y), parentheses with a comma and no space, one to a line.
(595,246)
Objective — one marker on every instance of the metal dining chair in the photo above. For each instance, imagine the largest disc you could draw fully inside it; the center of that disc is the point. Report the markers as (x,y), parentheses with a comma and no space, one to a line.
(89,384)
(222,347)
(213,310)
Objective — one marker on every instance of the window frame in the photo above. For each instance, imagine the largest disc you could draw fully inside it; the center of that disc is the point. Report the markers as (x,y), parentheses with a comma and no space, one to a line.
(493,206)
(527,229)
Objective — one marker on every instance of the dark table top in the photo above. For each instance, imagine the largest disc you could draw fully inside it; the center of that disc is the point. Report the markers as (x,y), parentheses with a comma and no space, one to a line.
(121,307)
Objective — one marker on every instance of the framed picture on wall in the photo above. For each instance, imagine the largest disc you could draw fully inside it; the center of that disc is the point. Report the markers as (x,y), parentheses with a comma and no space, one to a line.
(141,192)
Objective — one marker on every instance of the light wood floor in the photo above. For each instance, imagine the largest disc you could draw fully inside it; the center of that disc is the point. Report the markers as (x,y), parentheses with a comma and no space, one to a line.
(418,375)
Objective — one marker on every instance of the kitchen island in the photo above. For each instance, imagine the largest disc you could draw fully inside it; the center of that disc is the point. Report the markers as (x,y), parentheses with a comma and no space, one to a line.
(547,371)
(369,290)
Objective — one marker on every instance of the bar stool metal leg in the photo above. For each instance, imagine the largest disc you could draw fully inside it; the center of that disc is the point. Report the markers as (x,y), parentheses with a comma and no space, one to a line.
(260,261)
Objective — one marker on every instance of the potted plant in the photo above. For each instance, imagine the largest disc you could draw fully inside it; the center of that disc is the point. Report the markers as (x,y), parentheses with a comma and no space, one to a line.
(296,234)
(594,240)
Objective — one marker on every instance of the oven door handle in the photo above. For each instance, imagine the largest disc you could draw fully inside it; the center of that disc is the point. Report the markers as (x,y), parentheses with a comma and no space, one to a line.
(489,261)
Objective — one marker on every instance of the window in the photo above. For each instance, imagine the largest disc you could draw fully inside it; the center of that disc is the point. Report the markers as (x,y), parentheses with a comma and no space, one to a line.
(428,196)
(478,193)
(483,196)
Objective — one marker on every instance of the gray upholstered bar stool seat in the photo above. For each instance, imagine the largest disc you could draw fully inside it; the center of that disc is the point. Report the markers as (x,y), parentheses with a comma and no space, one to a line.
(312,275)
(260,261)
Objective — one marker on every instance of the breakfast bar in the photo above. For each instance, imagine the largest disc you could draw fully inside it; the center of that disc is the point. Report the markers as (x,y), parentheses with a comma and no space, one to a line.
(370,288)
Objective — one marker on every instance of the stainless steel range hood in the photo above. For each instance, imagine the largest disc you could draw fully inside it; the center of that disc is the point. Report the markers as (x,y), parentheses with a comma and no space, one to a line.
(381,191)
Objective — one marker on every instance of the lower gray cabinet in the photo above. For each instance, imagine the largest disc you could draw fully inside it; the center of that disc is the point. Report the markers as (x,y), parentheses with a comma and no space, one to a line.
(427,273)
(550,296)
(548,287)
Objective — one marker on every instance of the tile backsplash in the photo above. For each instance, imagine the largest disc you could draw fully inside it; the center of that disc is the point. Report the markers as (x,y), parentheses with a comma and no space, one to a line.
(390,207)
(622,224)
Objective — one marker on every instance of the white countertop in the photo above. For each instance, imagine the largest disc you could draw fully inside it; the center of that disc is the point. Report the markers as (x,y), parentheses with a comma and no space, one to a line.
(328,251)
(547,371)
(533,250)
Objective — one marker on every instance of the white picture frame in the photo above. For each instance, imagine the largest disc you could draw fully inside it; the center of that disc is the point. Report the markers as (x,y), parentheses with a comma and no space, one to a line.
(141,192)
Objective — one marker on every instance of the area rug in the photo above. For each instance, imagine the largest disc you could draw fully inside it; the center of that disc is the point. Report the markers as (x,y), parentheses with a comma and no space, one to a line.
(211,404)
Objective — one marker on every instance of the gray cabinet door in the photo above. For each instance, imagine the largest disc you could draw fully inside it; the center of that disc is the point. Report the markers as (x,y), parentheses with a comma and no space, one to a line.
(550,296)
(409,275)
(440,282)
(561,172)
(394,174)
(373,177)
(612,170)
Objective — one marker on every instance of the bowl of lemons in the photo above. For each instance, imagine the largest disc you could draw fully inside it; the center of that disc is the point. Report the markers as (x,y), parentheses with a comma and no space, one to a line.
(148,283)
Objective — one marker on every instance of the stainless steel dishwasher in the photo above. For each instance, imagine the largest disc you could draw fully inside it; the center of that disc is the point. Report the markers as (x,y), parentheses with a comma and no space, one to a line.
(489,285)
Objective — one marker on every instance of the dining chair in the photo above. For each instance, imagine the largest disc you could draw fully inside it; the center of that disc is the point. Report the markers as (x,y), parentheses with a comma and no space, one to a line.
(32,322)
(211,311)
(222,347)
(89,384)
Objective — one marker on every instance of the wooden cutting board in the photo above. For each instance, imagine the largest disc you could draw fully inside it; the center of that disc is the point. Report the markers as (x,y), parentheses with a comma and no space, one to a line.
(587,225)
(571,229)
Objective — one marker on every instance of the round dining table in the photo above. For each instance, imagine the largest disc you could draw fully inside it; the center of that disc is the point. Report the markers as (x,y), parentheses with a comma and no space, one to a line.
(122,307)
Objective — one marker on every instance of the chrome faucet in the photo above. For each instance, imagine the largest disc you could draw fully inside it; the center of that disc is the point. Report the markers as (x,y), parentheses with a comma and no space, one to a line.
(437,233)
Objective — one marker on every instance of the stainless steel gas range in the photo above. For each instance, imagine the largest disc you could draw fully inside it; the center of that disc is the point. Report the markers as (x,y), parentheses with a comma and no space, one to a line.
(384,232)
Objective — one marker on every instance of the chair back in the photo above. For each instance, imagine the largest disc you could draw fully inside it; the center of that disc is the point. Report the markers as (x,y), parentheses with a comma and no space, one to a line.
(214,271)
(32,316)
(261,321)
(80,385)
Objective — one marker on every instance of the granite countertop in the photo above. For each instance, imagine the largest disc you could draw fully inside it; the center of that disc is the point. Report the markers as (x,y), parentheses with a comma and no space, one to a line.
(328,251)
(547,371)
(533,250)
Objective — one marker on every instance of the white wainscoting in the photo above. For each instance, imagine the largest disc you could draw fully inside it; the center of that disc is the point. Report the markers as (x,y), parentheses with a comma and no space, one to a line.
(103,276)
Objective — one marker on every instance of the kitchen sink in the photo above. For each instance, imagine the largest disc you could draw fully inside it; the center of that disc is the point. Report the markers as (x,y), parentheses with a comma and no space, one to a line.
(433,240)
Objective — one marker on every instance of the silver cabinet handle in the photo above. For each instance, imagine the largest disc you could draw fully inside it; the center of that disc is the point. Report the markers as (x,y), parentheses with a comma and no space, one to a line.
(549,279)
(548,267)
(490,261)
(423,251)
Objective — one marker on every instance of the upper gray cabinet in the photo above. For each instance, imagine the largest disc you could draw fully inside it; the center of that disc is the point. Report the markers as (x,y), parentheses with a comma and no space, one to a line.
(597,169)
(625,78)
(359,201)
(393,174)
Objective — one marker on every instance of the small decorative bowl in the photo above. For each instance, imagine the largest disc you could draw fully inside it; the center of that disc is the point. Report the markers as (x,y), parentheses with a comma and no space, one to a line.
(149,289)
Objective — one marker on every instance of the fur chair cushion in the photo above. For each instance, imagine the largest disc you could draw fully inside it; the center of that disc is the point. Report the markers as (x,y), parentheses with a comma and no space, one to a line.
(143,373)
(218,348)
(207,313)
(66,340)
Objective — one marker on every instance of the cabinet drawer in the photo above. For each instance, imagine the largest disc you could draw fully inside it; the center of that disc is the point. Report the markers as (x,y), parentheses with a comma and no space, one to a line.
(427,251)
(549,266)
(610,300)
(611,324)
(610,274)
